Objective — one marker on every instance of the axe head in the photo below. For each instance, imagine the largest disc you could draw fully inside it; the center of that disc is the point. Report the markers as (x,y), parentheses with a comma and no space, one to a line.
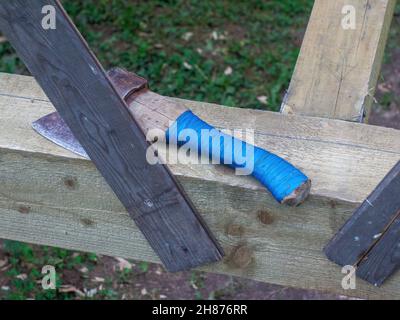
(53,127)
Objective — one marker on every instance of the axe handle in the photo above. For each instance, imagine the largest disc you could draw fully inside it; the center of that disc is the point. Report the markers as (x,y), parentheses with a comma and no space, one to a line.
(286,183)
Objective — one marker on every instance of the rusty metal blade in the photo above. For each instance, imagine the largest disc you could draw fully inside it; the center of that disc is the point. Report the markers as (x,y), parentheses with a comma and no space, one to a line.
(54,128)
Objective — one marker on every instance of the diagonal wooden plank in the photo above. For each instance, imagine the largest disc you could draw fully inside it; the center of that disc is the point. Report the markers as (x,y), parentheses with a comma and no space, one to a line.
(78,87)
(337,69)
(384,258)
(370,238)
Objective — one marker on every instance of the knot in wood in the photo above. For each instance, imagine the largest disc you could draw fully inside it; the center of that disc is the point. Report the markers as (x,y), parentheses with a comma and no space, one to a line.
(241,256)
(265,217)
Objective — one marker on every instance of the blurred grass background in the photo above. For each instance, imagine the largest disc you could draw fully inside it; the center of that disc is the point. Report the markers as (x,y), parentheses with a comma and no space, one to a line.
(234,53)
(228,52)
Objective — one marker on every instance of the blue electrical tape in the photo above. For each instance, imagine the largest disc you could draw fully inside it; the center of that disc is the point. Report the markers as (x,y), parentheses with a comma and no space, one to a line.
(277,175)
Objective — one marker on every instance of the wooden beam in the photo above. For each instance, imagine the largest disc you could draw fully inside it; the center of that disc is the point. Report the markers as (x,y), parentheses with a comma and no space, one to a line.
(338,69)
(53,197)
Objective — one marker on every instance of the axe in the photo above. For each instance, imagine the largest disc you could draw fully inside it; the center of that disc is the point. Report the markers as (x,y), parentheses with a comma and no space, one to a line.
(151,111)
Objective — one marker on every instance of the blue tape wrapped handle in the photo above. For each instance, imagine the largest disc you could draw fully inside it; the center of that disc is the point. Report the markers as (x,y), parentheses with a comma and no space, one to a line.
(286,183)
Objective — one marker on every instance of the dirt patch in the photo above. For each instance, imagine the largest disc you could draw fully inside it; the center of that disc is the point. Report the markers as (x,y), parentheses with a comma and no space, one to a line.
(386,112)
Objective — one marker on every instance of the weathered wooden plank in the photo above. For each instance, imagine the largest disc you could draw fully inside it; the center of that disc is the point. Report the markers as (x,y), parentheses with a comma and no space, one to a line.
(337,70)
(369,239)
(51,196)
(83,95)
(384,259)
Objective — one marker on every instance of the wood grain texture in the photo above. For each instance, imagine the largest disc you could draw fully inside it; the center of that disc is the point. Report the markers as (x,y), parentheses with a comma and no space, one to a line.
(85,98)
(51,196)
(370,238)
(337,70)
(384,259)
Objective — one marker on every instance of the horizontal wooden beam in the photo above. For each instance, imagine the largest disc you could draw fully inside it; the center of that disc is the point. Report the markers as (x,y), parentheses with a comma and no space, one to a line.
(338,67)
(53,197)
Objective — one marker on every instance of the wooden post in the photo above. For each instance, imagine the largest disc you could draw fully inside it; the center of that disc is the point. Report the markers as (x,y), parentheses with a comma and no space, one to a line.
(338,67)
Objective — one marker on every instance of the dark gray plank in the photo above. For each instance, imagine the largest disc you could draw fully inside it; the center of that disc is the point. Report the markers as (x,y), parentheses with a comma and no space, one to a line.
(373,227)
(384,258)
(78,87)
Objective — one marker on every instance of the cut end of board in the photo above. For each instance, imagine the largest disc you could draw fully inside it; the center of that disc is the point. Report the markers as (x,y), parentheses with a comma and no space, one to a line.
(298,196)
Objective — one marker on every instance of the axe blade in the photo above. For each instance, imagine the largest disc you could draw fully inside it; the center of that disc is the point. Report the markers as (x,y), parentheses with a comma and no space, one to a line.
(78,87)
(54,128)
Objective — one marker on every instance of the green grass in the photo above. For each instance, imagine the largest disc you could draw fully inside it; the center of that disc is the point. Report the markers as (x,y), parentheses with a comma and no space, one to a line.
(258,40)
